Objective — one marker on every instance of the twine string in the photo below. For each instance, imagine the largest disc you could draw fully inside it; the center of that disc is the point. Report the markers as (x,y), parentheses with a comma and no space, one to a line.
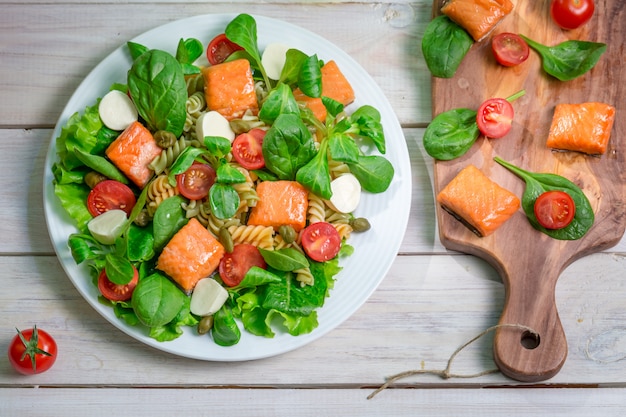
(446,373)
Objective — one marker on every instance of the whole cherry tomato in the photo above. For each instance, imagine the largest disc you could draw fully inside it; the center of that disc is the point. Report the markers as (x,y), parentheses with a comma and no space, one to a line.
(571,14)
(32,351)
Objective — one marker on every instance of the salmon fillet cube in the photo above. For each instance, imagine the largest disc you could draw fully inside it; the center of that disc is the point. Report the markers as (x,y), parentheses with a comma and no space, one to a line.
(192,254)
(229,88)
(334,85)
(477,201)
(584,127)
(132,151)
(477,17)
(280,203)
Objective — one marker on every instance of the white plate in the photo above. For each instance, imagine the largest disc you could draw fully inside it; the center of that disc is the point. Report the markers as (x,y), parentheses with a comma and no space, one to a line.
(374,251)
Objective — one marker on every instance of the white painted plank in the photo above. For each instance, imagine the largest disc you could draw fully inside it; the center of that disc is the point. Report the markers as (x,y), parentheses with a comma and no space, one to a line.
(422,312)
(48,49)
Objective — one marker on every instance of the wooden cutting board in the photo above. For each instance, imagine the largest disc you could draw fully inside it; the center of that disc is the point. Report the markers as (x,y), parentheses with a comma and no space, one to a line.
(528,261)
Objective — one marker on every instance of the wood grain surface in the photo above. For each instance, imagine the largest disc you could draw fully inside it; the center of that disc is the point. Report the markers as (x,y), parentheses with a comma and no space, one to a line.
(530,262)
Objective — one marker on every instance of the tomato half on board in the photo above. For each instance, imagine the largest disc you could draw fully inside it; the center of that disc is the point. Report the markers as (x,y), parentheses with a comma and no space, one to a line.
(220,48)
(196,182)
(571,14)
(235,265)
(321,241)
(117,292)
(248,149)
(554,209)
(509,49)
(108,195)
(495,118)
(32,351)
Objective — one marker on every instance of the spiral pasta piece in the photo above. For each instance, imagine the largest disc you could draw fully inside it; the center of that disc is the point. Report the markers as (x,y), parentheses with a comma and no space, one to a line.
(167,157)
(214,224)
(337,168)
(334,217)
(158,190)
(316,212)
(344,230)
(259,236)
(195,83)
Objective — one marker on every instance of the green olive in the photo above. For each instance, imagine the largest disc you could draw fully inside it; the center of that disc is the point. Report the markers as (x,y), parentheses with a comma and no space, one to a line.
(360,224)
(205,324)
(142,219)
(92,178)
(226,239)
(164,139)
(288,233)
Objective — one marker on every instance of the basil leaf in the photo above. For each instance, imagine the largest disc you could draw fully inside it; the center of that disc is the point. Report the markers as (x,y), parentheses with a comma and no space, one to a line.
(444,46)
(169,218)
(256,277)
(569,59)
(140,243)
(224,200)
(286,259)
(451,134)
(537,184)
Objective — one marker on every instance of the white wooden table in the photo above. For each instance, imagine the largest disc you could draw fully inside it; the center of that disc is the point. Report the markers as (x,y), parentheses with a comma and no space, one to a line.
(431,302)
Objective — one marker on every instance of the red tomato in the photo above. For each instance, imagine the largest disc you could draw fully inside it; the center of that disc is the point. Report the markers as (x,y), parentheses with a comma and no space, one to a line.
(321,241)
(117,292)
(555,209)
(509,49)
(495,118)
(195,183)
(235,265)
(32,351)
(248,149)
(571,14)
(220,48)
(108,195)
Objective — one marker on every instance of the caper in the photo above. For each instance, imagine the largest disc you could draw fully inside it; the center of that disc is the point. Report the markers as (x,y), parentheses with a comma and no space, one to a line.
(360,224)
(205,324)
(164,139)
(288,233)
(142,219)
(226,239)
(92,178)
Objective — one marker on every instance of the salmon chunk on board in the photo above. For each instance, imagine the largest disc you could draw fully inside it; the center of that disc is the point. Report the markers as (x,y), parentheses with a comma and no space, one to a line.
(477,201)
(477,17)
(192,254)
(334,85)
(229,88)
(132,152)
(280,203)
(584,127)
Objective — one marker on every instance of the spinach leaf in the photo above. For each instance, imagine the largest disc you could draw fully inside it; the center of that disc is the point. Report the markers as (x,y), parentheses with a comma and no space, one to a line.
(293,63)
(288,145)
(286,259)
(168,219)
(256,277)
(373,172)
(228,174)
(224,200)
(289,297)
(279,101)
(140,243)
(343,148)
(368,122)
(569,59)
(314,175)
(100,164)
(537,184)
(451,134)
(310,77)
(188,51)
(157,86)
(136,49)
(242,31)
(119,270)
(156,300)
(225,330)
(444,46)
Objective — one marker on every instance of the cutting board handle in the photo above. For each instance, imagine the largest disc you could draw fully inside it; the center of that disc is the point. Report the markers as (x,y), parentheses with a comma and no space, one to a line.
(522,354)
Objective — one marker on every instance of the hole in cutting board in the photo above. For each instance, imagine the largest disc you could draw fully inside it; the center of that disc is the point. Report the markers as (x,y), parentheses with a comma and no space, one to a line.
(530,340)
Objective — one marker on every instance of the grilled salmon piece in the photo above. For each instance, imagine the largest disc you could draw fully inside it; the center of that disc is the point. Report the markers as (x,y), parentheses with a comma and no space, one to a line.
(584,127)
(229,88)
(478,202)
(477,17)
(192,254)
(132,152)
(334,85)
(280,203)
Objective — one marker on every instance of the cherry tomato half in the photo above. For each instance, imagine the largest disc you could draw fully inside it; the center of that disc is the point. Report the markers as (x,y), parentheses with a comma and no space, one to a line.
(235,265)
(108,195)
(32,351)
(571,14)
(554,209)
(509,49)
(321,241)
(248,149)
(195,183)
(495,118)
(116,292)
(220,48)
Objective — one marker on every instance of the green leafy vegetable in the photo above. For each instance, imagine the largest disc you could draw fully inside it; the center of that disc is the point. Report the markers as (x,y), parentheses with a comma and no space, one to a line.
(451,134)
(537,184)
(444,46)
(569,59)
(225,330)
(156,300)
